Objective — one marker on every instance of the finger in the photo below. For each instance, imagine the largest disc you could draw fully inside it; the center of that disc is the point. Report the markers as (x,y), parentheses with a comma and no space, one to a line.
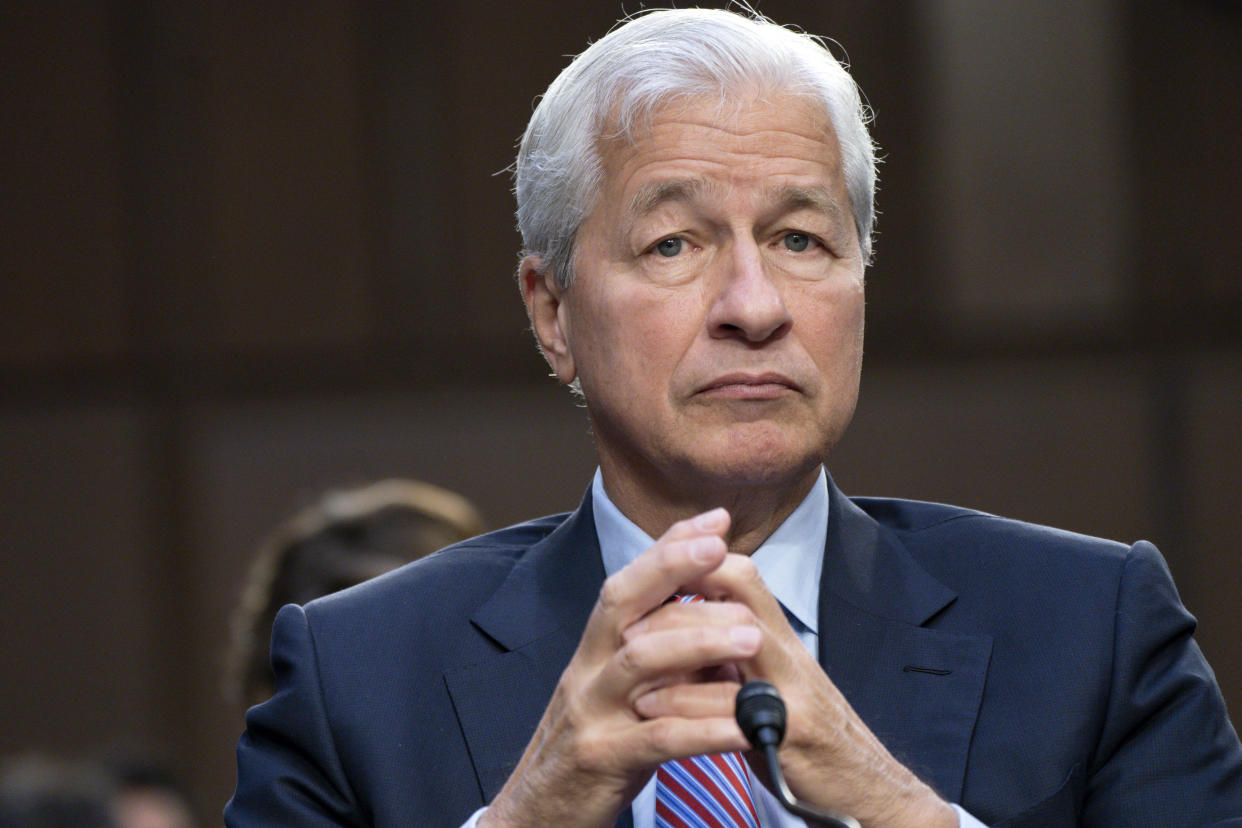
(688,550)
(658,740)
(648,660)
(737,580)
(714,521)
(681,614)
(689,701)
(726,672)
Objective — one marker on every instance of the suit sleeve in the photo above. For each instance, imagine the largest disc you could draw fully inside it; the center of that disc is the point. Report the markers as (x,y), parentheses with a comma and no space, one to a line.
(1167,750)
(288,772)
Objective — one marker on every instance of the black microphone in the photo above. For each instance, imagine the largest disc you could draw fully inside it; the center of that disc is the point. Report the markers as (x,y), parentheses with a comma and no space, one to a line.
(760,714)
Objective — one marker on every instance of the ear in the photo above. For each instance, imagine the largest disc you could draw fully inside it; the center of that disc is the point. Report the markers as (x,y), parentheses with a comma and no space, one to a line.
(548,314)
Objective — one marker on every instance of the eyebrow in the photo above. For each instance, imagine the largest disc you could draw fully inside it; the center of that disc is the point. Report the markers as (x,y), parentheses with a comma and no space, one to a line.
(787,198)
(652,196)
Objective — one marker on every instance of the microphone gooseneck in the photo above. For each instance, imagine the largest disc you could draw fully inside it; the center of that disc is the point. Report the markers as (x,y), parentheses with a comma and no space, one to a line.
(760,713)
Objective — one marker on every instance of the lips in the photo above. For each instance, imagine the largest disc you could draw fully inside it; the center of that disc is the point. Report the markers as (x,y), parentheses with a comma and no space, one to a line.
(745,385)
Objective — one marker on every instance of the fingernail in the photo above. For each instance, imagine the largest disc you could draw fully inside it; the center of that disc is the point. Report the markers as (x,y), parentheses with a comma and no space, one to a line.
(709,521)
(701,549)
(745,637)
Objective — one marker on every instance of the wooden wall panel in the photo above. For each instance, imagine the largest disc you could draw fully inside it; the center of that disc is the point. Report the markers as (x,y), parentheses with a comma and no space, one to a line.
(1065,442)
(1185,101)
(79,666)
(63,252)
(1031,193)
(288,202)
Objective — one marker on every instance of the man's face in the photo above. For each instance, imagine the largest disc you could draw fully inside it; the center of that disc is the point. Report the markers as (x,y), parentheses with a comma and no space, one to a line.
(716,316)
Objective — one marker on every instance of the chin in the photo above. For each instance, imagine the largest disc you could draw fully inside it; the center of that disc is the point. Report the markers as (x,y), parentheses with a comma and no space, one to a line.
(748,460)
(768,473)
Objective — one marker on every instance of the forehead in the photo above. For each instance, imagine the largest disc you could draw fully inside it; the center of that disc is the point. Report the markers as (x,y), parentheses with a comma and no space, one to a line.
(703,145)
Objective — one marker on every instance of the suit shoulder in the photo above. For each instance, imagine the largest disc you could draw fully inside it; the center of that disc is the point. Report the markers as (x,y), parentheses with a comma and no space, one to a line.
(505,544)
(1007,574)
(924,526)
(911,515)
(462,569)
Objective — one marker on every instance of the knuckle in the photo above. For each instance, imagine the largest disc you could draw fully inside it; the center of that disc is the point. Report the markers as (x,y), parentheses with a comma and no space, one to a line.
(660,736)
(610,595)
(705,641)
(571,699)
(658,698)
(743,570)
(746,567)
(571,679)
(680,528)
(671,554)
(631,658)
(591,750)
(740,614)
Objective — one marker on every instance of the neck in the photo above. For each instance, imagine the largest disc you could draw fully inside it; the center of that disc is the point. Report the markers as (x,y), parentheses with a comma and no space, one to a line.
(756,508)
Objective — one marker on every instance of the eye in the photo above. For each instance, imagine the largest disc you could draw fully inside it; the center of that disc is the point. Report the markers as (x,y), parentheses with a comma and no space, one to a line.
(668,248)
(797,242)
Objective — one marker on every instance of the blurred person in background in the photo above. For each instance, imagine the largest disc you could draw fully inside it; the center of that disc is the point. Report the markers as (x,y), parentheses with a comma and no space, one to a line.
(130,791)
(39,791)
(344,539)
(147,794)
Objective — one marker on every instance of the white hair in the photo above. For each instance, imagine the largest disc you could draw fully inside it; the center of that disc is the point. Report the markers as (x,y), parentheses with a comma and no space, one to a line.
(612,88)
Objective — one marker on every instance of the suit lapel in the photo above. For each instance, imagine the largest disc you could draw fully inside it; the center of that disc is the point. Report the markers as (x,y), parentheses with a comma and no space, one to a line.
(918,688)
(536,616)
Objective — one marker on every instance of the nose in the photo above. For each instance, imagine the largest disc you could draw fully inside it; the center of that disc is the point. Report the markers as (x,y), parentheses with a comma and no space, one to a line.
(748,305)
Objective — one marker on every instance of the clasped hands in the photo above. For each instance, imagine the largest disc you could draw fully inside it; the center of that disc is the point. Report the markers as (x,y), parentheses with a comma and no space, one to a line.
(654,680)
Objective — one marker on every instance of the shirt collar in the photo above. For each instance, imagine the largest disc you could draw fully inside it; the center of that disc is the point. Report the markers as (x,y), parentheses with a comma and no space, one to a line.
(790,560)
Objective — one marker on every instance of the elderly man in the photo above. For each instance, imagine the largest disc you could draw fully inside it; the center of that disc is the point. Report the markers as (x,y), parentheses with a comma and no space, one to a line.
(695,195)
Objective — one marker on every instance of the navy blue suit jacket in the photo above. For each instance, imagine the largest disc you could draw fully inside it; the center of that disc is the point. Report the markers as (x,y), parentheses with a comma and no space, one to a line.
(1038,678)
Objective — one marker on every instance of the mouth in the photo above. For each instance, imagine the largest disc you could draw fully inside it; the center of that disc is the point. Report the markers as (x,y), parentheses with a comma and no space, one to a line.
(768,385)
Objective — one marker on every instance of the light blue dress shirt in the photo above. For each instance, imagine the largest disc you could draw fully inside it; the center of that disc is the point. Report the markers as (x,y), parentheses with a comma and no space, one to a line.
(790,562)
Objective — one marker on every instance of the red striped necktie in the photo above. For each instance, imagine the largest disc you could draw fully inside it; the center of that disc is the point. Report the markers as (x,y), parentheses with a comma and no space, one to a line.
(704,791)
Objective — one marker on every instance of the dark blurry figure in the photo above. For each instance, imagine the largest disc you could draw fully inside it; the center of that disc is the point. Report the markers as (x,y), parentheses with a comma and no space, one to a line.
(344,539)
(41,792)
(147,794)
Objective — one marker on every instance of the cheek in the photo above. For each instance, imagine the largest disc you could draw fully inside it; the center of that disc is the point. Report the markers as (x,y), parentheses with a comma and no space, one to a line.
(853,320)
(617,342)
(834,329)
(651,331)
